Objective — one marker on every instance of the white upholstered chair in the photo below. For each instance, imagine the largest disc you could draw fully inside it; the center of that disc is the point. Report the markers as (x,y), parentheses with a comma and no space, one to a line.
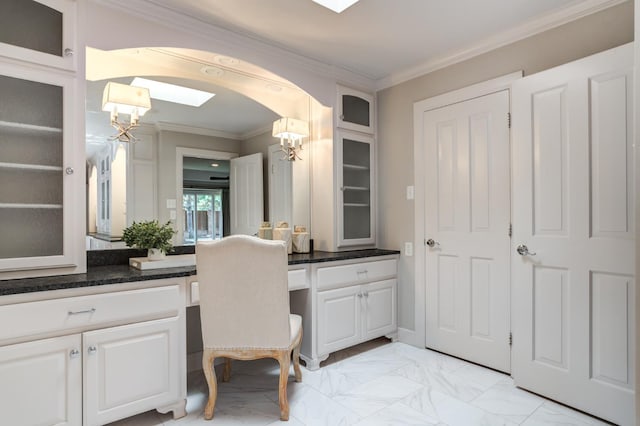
(244,309)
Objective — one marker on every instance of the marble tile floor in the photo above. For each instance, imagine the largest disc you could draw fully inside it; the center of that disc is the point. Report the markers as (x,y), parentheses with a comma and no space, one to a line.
(386,384)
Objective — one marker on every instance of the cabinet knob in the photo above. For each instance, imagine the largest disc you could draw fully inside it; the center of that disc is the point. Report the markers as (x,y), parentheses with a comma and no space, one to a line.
(342,117)
(92,350)
(69,170)
(68,52)
(366,294)
(74,353)
(360,295)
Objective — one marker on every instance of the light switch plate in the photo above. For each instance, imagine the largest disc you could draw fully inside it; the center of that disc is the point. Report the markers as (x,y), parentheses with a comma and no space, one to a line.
(410,192)
(172,214)
(171,203)
(408,249)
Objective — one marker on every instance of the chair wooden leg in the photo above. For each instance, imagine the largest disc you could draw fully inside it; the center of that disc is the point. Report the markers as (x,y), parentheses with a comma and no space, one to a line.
(210,375)
(296,361)
(226,375)
(284,358)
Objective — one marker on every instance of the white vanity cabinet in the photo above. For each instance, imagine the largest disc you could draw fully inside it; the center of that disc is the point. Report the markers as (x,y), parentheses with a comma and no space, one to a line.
(130,369)
(351,315)
(94,358)
(349,302)
(41,382)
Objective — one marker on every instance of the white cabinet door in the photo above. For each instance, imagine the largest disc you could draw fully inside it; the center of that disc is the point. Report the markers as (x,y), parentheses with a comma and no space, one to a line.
(246,194)
(338,318)
(379,315)
(42,31)
(355,110)
(574,310)
(130,369)
(42,382)
(356,195)
(41,227)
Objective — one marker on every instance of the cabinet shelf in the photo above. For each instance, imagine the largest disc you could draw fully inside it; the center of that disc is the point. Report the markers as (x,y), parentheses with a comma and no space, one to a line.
(355,188)
(356,204)
(28,128)
(36,167)
(354,167)
(29,206)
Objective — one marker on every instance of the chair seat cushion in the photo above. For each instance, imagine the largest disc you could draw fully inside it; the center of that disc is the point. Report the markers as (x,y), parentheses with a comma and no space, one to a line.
(295,324)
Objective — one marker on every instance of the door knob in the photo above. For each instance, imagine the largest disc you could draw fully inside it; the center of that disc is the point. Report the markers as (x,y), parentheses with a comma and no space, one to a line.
(523,250)
(432,243)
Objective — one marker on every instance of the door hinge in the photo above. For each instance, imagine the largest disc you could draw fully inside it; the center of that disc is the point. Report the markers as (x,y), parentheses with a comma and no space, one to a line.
(509,119)
(510,339)
(510,230)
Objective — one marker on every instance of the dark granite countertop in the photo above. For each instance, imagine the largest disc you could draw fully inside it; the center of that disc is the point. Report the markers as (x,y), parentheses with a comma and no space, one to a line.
(97,275)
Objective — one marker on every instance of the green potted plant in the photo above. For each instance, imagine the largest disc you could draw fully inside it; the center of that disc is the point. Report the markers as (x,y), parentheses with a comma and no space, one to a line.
(150,235)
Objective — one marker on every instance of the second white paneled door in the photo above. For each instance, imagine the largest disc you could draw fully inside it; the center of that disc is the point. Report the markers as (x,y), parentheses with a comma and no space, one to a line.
(467,214)
(573,278)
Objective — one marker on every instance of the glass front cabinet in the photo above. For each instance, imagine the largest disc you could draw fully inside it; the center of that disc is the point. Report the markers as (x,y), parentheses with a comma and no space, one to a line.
(355,110)
(356,195)
(41,161)
(41,32)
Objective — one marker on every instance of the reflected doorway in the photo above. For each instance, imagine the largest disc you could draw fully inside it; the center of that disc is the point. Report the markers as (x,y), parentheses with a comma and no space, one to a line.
(203,218)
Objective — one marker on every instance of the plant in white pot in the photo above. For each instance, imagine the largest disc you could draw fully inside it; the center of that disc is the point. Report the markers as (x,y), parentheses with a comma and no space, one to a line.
(150,235)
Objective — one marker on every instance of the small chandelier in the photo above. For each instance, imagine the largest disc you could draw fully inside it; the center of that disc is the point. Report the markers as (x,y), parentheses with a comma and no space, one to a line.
(291,131)
(124,99)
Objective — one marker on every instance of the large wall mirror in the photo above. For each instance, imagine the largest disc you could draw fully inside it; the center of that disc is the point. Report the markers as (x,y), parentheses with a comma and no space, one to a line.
(179,167)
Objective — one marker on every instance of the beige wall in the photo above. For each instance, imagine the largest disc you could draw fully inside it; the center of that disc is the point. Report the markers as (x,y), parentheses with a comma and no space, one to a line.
(592,34)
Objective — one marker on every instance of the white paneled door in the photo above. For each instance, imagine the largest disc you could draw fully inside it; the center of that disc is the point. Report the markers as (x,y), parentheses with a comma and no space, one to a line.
(573,273)
(467,213)
(246,194)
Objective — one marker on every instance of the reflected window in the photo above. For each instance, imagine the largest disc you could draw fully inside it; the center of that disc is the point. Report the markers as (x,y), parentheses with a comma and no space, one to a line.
(203,219)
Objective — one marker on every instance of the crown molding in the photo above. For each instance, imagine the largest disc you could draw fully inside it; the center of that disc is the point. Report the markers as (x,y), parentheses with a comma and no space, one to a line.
(219,36)
(171,127)
(257,132)
(528,29)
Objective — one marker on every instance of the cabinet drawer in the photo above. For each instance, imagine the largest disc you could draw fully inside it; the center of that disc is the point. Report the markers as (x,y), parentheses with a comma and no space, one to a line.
(87,312)
(336,276)
(297,281)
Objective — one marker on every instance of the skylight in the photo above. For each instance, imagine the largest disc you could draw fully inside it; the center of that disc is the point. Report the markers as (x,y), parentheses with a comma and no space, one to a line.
(336,5)
(173,93)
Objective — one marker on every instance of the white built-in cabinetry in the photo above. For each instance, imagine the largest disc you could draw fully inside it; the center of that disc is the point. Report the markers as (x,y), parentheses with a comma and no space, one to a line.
(355,110)
(344,176)
(349,302)
(41,151)
(95,358)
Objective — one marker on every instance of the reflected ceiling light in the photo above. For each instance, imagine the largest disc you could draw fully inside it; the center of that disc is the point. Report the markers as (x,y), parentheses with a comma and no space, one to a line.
(212,71)
(173,93)
(291,131)
(336,5)
(122,99)
(215,165)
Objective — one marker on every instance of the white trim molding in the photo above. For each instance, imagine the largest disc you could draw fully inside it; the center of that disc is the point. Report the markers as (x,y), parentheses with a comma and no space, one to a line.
(525,30)
(171,127)
(418,337)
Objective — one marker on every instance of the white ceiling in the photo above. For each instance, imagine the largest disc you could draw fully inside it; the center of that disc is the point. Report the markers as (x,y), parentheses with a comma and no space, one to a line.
(376,39)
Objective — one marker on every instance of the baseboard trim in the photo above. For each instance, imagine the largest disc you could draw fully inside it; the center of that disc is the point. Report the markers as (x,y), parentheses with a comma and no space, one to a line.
(410,337)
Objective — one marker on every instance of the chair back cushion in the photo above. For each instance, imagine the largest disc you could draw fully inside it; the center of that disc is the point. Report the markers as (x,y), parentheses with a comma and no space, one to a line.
(244,295)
